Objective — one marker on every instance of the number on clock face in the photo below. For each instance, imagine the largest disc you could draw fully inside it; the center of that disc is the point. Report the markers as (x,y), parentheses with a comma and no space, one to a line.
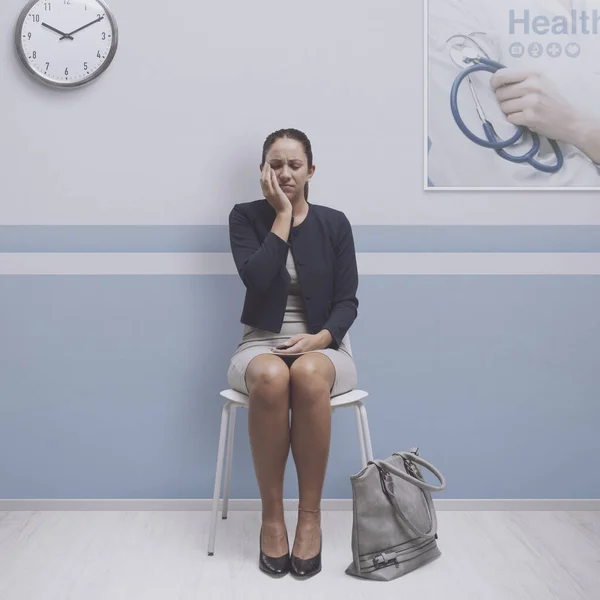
(67,41)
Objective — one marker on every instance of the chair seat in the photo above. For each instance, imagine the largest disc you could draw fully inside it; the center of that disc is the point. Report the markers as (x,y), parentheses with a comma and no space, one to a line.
(341,400)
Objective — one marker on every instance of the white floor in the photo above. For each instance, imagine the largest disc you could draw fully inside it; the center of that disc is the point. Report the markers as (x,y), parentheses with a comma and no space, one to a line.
(162,555)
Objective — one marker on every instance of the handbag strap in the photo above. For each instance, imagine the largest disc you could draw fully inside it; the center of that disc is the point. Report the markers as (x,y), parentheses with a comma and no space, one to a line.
(385,469)
(410,457)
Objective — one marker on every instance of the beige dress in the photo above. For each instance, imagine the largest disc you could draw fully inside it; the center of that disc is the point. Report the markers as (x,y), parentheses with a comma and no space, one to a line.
(259,341)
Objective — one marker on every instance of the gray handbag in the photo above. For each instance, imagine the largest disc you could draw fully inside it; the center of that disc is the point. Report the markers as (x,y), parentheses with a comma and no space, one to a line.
(394,527)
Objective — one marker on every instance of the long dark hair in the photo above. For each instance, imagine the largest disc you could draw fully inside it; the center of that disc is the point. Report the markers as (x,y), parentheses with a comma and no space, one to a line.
(293,134)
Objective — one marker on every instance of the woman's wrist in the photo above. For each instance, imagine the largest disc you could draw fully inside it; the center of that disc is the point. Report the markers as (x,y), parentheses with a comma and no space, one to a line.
(284,213)
(282,224)
(325,338)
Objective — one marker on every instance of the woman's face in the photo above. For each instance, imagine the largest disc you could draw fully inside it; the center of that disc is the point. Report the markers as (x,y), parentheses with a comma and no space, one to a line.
(288,160)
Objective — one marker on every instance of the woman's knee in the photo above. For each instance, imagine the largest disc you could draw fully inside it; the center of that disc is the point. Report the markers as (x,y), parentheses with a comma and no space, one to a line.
(312,373)
(267,377)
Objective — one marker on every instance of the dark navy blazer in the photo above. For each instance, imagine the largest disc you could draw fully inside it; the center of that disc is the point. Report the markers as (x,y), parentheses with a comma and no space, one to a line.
(323,250)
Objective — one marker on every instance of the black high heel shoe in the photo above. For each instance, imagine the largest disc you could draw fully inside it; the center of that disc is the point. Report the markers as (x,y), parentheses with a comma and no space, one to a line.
(307,567)
(270,565)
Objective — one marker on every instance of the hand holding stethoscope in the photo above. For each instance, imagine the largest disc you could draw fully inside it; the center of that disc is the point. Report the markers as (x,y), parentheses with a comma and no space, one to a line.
(527,98)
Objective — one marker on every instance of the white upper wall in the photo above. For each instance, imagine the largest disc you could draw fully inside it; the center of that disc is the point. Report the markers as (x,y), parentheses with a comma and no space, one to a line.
(172,133)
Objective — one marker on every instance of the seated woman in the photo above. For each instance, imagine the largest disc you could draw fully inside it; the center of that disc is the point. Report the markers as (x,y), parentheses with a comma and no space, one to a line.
(298,264)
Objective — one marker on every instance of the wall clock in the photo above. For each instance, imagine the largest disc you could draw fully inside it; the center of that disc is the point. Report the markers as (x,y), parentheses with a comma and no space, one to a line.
(66,43)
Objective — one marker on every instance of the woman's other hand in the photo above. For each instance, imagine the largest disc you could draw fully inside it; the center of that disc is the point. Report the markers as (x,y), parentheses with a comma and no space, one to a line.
(274,195)
(305,342)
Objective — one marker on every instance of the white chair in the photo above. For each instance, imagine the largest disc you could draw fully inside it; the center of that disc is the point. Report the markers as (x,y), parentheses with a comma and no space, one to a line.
(237,400)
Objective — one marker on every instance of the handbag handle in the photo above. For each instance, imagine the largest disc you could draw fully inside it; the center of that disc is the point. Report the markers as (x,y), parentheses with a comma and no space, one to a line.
(410,457)
(386,481)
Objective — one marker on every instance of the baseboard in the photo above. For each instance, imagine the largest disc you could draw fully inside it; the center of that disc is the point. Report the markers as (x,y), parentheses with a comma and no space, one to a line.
(483,504)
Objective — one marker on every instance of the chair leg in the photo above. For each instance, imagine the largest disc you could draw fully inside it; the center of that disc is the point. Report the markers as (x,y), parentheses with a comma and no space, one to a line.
(225,414)
(228,460)
(367,433)
(361,436)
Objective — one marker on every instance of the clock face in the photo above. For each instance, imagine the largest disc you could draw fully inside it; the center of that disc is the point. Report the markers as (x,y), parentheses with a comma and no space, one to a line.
(66,43)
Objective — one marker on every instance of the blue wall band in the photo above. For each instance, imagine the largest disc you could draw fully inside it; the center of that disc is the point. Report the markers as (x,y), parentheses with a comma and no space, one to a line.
(368,238)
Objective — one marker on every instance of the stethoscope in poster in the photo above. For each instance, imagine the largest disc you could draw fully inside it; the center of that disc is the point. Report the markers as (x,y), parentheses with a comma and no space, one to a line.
(513,94)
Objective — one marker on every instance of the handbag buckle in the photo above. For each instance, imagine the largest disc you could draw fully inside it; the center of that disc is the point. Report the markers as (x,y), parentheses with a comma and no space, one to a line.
(385,558)
(411,468)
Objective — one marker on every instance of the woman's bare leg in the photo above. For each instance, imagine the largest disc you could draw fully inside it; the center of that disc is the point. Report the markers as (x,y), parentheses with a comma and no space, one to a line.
(312,376)
(268,381)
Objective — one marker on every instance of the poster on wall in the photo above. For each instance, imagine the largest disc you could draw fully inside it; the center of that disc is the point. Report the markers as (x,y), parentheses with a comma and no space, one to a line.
(512,94)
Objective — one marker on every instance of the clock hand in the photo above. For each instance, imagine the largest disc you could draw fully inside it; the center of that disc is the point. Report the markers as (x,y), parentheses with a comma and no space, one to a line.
(64,35)
(76,30)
